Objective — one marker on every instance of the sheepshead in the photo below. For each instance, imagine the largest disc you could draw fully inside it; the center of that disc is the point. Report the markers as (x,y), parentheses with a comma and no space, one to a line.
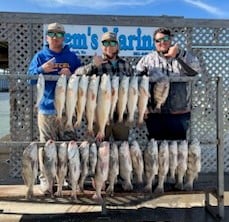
(132,98)
(182,163)
(172,161)
(71,99)
(113,168)
(125,166)
(102,169)
(84,160)
(103,105)
(122,97)
(194,163)
(160,92)
(30,167)
(163,165)
(151,164)
(143,98)
(137,161)
(82,98)
(73,166)
(91,102)
(40,89)
(114,94)
(92,158)
(62,157)
(60,95)
(50,163)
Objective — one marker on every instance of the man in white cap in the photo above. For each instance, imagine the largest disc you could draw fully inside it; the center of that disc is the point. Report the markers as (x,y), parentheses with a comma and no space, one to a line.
(54,59)
(111,64)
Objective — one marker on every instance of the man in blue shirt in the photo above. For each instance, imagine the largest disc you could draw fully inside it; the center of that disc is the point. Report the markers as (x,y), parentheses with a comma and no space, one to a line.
(54,59)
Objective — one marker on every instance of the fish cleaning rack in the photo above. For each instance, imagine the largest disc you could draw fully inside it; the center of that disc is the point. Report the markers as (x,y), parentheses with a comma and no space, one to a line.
(19,86)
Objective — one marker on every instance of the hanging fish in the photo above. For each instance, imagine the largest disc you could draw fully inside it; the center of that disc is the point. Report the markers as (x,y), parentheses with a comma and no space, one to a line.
(60,95)
(194,163)
(160,92)
(71,99)
(143,98)
(40,89)
(91,102)
(132,98)
(103,105)
(30,167)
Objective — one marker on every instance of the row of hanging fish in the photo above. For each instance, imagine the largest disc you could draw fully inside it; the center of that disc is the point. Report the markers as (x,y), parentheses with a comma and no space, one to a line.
(99,97)
(104,162)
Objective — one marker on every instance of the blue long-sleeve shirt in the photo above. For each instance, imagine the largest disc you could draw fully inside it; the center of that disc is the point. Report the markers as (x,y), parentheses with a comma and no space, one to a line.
(63,59)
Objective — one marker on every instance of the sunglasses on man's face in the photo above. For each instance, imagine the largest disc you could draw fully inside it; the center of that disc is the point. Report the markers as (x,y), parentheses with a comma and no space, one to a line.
(57,34)
(109,43)
(166,38)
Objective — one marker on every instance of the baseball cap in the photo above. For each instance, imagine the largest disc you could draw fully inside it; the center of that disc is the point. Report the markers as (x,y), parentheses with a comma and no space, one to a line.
(57,27)
(109,36)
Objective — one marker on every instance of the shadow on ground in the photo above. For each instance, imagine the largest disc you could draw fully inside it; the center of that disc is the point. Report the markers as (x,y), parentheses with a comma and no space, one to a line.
(138,215)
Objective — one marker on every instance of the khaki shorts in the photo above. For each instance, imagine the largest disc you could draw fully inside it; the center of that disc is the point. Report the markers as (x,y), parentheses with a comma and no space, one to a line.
(49,129)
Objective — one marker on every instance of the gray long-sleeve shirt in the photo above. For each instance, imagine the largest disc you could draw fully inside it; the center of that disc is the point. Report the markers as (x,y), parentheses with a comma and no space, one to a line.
(156,66)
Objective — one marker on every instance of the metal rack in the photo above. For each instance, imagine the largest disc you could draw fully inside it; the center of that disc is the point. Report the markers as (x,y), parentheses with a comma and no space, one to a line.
(218,193)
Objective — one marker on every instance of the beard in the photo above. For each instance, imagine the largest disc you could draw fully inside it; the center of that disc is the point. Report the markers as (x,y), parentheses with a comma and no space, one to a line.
(110,56)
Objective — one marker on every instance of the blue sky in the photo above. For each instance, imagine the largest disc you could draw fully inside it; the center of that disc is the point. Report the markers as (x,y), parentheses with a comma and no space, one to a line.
(206,9)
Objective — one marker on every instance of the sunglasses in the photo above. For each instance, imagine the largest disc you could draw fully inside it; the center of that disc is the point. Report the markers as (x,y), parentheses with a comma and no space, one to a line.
(57,34)
(109,43)
(166,38)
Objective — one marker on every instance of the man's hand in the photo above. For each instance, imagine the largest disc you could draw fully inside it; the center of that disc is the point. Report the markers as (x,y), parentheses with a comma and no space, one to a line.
(49,66)
(65,71)
(98,60)
(173,51)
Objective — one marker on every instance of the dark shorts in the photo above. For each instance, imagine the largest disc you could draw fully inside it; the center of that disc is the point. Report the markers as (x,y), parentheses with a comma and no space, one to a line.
(119,131)
(168,126)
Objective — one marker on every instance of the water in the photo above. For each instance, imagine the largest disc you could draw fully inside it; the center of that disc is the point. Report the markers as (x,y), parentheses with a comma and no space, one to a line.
(4,114)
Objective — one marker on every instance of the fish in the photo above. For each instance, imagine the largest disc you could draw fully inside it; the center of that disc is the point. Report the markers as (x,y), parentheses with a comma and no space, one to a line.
(60,95)
(74,167)
(40,89)
(71,99)
(92,158)
(113,168)
(143,98)
(160,92)
(137,161)
(125,166)
(132,98)
(91,102)
(114,95)
(163,165)
(30,168)
(82,98)
(151,164)
(62,157)
(50,164)
(102,169)
(182,163)
(122,97)
(194,164)
(84,161)
(172,161)
(103,105)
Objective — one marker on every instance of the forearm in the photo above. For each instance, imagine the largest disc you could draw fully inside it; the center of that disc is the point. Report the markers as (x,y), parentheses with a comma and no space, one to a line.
(85,70)
(188,62)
